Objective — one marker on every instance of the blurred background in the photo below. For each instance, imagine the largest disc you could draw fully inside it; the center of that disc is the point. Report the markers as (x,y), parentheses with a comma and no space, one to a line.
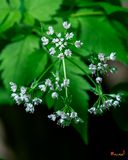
(103,26)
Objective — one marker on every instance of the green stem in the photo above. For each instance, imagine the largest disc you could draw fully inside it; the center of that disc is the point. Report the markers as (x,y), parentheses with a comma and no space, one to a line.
(83,71)
(46,71)
(87,14)
(65,76)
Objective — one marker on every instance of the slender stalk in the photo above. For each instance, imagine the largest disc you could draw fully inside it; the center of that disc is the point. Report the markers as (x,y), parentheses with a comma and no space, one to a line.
(65,76)
(87,14)
(89,77)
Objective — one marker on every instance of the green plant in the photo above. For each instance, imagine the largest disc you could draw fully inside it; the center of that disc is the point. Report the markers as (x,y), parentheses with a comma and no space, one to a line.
(25,62)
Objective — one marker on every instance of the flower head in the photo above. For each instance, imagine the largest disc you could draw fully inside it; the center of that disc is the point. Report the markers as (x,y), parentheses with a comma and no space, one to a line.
(64,118)
(78,44)
(66,25)
(57,44)
(50,30)
(44,40)
(112,56)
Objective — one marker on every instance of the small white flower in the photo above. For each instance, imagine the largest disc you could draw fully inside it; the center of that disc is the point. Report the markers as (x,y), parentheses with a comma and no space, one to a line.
(52,117)
(44,40)
(61,47)
(112,56)
(55,40)
(54,95)
(59,35)
(107,103)
(116,103)
(42,87)
(22,97)
(64,115)
(13,95)
(65,43)
(52,51)
(66,25)
(118,98)
(99,66)
(105,65)
(73,114)
(13,87)
(23,90)
(98,80)
(50,30)
(59,113)
(26,98)
(12,83)
(69,36)
(61,56)
(29,107)
(16,98)
(59,43)
(101,57)
(61,39)
(48,82)
(68,52)
(92,110)
(78,44)
(60,121)
(36,101)
(92,67)
(66,82)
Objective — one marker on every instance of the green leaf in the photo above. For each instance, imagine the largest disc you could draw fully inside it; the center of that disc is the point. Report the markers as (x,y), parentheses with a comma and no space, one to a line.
(80,103)
(121,29)
(28,19)
(4,97)
(22,62)
(107,7)
(15,4)
(73,68)
(12,18)
(49,101)
(80,98)
(4,9)
(100,36)
(42,10)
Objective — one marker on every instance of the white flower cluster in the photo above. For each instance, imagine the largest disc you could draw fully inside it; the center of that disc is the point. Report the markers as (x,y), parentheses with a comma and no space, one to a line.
(65,118)
(112,101)
(54,85)
(22,97)
(57,43)
(99,65)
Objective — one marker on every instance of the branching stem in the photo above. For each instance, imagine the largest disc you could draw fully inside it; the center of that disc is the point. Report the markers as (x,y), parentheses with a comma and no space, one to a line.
(65,76)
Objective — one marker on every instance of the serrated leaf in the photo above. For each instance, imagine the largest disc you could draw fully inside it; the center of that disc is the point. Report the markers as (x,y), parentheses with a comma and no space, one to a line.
(11,19)
(4,9)
(22,62)
(80,103)
(49,101)
(15,4)
(78,87)
(42,10)
(100,36)
(77,66)
(107,7)
(28,19)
